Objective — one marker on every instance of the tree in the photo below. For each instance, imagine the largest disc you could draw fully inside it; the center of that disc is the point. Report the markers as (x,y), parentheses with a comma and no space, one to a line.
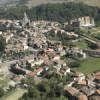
(97,36)
(93,46)
(52,12)
(28,66)
(63,98)
(33,92)
(44,87)
(74,64)
(58,91)
(1,92)
(24,97)
(2,44)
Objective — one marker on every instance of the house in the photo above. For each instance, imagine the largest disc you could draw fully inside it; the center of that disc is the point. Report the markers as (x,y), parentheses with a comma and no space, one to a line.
(0,61)
(60,48)
(82,22)
(37,62)
(71,92)
(94,97)
(29,59)
(31,74)
(16,47)
(72,34)
(1,32)
(17,70)
(95,53)
(79,76)
(18,78)
(46,59)
(50,50)
(97,77)
(76,52)
(39,71)
(12,84)
(82,82)
(8,37)
(90,83)
(36,72)
(88,91)
(98,91)
(24,44)
(63,53)
(86,21)
(67,70)
(82,97)
(75,23)
(56,58)
(57,68)
(64,71)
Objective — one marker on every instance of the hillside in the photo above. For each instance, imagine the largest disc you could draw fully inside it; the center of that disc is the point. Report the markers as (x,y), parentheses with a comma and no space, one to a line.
(53,12)
(89,2)
(31,3)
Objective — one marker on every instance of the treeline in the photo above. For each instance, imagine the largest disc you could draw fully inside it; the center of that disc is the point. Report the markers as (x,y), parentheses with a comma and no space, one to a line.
(53,12)
(61,12)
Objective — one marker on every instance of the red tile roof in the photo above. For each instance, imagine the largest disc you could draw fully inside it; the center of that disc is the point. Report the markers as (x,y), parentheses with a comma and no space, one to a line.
(31,74)
(97,76)
(83,97)
(98,91)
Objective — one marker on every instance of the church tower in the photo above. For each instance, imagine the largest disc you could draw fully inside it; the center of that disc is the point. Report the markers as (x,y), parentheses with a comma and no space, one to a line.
(25,20)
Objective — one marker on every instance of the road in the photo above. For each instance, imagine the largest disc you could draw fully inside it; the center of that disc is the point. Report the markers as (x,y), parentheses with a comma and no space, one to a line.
(90,39)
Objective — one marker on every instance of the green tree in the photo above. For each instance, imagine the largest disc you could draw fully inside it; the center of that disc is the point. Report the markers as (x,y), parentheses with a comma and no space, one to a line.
(2,44)
(74,64)
(33,92)
(1,92)
(93,46)
(52,12)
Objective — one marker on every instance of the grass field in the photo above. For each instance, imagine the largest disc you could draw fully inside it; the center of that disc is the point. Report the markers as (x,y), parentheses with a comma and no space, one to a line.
(81,44)
(3,80)
(14,94)
(89,65)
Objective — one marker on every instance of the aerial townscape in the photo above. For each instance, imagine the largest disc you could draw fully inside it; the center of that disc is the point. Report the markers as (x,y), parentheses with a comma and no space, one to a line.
(48,56)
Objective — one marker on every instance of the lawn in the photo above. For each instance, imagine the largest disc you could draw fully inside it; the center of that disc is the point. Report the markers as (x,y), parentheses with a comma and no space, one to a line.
(89,65)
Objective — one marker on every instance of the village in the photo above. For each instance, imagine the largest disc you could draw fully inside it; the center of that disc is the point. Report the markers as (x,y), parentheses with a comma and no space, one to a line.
(37,49)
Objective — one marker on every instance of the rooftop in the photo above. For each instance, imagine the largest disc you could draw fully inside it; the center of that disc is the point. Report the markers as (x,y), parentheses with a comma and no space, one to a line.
(71,90)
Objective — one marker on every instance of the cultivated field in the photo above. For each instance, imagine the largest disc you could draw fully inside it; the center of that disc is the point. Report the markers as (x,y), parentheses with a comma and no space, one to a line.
(89,2)
(31,3)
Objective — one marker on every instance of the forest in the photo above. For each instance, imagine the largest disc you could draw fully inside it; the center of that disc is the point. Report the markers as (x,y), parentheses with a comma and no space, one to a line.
(52,12)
